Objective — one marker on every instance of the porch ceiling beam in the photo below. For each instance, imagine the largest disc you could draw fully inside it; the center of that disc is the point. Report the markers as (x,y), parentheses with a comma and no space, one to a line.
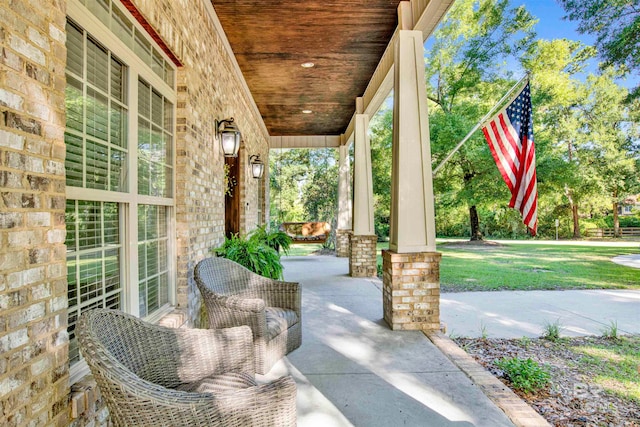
(305,141)
(428,13)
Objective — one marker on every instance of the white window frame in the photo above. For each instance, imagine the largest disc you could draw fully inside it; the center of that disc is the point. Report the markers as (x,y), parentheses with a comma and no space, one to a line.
(129,201)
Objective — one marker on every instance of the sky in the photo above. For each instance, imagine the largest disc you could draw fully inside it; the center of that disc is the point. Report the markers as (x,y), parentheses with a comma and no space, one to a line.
(550,23)
(551,26)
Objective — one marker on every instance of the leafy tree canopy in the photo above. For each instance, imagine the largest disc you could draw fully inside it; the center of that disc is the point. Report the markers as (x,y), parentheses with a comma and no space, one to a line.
(616,25)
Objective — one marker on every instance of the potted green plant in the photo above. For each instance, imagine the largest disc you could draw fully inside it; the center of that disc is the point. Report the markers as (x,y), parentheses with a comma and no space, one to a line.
(257,251)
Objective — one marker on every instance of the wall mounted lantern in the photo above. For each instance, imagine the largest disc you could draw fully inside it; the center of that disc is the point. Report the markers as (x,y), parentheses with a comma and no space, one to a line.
(257,167)
(229,136)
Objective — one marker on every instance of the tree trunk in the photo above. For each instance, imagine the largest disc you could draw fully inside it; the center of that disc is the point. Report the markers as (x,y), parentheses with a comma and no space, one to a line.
(616,220)
(576,222)
(475,224)
(574,212)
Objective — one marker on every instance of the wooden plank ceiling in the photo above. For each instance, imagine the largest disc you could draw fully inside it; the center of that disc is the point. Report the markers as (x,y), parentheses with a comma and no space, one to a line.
(272,39)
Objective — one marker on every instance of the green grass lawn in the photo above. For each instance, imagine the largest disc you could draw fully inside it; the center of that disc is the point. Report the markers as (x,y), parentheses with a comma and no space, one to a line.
(517,266)
(304,249)
(613,366)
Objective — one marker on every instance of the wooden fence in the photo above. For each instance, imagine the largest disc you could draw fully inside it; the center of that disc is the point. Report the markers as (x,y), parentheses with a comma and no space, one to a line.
(608,232)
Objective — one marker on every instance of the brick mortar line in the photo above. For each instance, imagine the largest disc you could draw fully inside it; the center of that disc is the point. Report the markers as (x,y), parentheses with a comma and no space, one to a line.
(518,411)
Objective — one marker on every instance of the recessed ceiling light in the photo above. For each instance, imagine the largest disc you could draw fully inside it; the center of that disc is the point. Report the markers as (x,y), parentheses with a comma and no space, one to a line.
(307,111)
(308,64)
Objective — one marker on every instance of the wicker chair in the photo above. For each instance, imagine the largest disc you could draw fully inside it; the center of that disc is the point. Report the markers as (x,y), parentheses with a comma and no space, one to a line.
(236,296)
(155,376)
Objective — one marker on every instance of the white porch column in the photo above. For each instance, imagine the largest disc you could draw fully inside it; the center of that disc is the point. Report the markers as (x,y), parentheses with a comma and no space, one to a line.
(412,210)
(363,241)
(411,274)
(343,231)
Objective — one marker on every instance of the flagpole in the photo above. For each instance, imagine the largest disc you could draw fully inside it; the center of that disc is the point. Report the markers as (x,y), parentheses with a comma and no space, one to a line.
(482,120)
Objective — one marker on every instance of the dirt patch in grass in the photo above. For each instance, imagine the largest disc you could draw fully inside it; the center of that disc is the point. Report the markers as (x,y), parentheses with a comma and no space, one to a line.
(590,385)
(324,251)
(473,244)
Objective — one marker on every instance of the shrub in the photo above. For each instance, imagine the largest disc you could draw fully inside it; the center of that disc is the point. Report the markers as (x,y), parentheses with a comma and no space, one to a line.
(524,374)
(625,220)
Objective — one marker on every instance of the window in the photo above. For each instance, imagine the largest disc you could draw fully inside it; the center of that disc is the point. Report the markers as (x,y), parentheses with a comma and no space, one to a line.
(155,122)
(153,268)
(119,166)
(93,262)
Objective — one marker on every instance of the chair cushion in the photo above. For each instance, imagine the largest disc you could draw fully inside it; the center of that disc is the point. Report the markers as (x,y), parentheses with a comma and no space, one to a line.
(279,320)
(219,383)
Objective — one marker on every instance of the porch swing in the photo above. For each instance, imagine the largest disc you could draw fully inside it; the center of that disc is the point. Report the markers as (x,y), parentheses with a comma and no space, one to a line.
(303,232)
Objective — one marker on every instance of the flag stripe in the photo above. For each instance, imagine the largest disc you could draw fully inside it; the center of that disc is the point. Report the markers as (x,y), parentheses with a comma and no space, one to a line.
(506,149)
(505,175)
(530,207)
(529,165)
(509,135)
(512,137)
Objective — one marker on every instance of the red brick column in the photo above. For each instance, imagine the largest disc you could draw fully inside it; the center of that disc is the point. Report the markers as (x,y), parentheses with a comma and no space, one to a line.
(411,290)
(343,238)
(362,261)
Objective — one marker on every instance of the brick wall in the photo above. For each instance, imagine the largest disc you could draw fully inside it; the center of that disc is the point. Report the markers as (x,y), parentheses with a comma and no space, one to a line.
(34,381)
(33,295)
(207,90)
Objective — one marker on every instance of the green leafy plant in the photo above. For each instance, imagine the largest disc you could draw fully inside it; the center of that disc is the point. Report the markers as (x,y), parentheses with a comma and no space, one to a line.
(524,374)
(484,333)
(525,342)
(611,331)
(552,331)
(257,251)
(229,181)
(275,239)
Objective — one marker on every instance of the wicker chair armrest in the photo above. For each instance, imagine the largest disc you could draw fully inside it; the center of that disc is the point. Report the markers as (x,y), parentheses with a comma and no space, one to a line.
(137,401)
(237,310)
(271,404)
(277,293)
(241,303)
(209,352)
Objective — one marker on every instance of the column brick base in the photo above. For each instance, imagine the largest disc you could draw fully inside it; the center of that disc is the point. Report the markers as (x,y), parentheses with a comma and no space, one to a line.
(362,260)
(411,290)
(343,238)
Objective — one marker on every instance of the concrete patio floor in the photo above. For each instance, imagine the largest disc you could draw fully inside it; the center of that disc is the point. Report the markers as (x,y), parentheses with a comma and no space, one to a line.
(352,370)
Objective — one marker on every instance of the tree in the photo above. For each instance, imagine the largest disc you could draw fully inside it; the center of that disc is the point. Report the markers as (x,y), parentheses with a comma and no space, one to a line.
(584,131)
(610,131)
(303,185)
(381,131)
(463,69)
(287,170)
(319,194)
(556,94)
(616,25)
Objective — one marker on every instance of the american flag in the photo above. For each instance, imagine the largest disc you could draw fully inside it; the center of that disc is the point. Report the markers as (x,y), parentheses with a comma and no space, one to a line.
(510,137)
